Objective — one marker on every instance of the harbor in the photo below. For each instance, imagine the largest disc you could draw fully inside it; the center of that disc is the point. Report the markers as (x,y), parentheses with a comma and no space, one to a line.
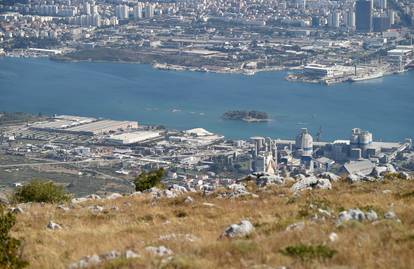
(132,91)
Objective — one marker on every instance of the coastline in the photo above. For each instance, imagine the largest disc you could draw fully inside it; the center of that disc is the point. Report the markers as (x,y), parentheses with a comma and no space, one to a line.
(156,64)
(29,85)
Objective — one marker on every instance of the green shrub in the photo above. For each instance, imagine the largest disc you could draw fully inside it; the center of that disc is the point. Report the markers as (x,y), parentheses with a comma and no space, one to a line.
(309,252)
(10,248)
(41,191)
(147,180)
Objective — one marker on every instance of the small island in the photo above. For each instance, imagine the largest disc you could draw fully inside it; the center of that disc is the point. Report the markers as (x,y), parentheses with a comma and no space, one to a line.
(247,116)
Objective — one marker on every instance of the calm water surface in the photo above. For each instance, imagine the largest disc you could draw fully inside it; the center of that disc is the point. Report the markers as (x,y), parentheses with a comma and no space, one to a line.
(183,100)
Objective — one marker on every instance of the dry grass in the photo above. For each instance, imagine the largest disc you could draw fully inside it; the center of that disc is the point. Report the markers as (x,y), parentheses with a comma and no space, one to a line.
(139,223)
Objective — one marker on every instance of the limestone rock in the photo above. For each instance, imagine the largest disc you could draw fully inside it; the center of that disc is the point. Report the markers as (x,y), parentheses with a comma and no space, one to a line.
(353,178)
(93,197)
(296,226)
(333,237)
(53,226)
(111,255)
(79,200)
(130,254)
(63,208)
(189,200)
(242,229)
(266,180)
(404,175)
(371,215)
(331,176)
(179,237)
(390,215)
(113,196)
(17,210)
(85,262)
(351,214)
(96,209)
(311,183)
(159,251)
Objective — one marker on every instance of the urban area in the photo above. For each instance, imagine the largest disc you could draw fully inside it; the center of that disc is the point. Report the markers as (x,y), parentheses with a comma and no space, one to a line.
(319,41)
(91,155)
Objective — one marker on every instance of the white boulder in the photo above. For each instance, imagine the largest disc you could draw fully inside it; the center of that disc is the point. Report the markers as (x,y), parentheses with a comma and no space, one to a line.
(159,251)
(53,226)
(242,229)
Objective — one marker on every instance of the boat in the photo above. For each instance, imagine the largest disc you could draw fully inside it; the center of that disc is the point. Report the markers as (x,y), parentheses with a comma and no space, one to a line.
(367,77)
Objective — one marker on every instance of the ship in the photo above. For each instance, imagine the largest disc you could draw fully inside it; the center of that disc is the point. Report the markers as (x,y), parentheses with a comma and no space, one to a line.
(367,77)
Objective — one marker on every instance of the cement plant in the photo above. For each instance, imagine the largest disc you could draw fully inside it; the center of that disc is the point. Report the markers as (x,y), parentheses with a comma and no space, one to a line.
(90,155)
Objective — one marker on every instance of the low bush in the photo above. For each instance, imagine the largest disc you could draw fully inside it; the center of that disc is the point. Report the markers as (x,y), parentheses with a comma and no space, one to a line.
(41,191)
(309,252)
(147,180)
(10,248)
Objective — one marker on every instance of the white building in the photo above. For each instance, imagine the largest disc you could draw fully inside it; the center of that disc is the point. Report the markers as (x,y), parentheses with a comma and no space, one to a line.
(149,11)
(350,19)
(122,12)
(137,11)
(334,19)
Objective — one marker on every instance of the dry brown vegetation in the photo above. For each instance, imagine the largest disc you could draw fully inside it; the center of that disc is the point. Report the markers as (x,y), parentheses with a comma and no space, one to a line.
(140,222)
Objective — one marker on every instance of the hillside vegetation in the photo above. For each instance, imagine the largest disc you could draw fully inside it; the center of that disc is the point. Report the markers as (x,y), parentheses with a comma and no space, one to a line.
(299,230)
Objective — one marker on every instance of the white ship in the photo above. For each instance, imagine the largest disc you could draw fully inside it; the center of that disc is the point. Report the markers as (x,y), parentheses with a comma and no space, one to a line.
(367,77)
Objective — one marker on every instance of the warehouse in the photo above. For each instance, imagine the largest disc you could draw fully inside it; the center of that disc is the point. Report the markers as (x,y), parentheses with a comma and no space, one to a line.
(133,138)
(102,127)
(61,122)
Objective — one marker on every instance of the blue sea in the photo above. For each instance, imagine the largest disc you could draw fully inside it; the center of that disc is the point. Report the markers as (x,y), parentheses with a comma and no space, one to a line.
(183,100)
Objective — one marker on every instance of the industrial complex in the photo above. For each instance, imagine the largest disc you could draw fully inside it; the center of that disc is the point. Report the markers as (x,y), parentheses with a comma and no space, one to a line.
(117,151)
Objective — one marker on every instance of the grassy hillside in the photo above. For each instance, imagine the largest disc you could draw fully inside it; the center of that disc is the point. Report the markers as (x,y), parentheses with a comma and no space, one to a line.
(192,230)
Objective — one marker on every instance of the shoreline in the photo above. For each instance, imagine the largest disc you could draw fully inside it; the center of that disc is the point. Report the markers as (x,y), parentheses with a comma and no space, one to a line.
(162,66)
(222,70)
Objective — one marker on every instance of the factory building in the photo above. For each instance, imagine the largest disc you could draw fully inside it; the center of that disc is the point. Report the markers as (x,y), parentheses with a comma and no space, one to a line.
(264,155)
(133,138)
(361,167)
(401,55)
(265,164)
(83,125)
(103,127)
(360,143)
(318,71)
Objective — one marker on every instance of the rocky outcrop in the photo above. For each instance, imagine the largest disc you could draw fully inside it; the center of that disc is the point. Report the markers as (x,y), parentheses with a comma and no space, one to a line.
(266,180)
(95,260)
(159,251)
(310,183)
(331,176)
(236,191)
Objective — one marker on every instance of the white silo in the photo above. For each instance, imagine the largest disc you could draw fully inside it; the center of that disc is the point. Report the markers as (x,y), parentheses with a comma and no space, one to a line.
(354,141)
(365,138)
(304,143)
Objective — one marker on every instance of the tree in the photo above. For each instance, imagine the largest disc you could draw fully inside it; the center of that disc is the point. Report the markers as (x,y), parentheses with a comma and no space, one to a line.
(10,252)
(41,191)
(147,180)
